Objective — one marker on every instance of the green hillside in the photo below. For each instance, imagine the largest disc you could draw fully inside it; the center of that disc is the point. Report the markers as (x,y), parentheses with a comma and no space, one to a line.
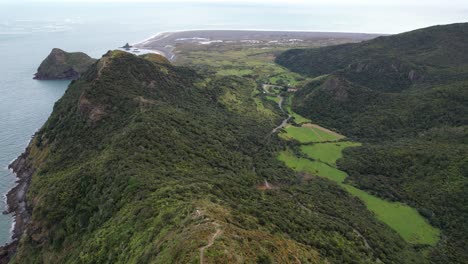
(406,97)
(145,162)
(420,58)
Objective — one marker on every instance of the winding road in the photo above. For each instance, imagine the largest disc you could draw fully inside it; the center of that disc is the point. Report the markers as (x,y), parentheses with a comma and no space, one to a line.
(285,121)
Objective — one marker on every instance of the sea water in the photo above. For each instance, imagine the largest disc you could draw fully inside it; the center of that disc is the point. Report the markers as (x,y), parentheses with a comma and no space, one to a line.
(29,30)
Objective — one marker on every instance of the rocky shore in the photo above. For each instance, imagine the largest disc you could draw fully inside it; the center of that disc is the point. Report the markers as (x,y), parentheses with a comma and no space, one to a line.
(17,204)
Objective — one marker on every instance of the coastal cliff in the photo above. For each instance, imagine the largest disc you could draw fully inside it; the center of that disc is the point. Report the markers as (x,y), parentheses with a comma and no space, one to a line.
(17,203)
(61,65)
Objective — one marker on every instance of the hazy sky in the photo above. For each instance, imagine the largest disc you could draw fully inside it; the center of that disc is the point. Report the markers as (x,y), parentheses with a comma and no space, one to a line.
(371,16)
(422,3)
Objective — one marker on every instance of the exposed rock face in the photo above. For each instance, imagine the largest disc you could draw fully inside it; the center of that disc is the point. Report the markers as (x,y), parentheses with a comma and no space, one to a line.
(17,203)
(337,88)
(93,112)
(61,65)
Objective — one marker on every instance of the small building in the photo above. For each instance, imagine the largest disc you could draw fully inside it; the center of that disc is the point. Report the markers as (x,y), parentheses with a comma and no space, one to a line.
(292,90)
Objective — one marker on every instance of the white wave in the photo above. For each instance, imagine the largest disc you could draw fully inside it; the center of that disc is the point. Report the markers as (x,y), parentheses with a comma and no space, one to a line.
(12,229)
(150,38)
(210,42)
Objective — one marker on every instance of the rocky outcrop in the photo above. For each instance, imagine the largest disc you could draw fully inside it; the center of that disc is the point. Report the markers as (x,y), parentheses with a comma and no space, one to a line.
(17,203)
(61,65)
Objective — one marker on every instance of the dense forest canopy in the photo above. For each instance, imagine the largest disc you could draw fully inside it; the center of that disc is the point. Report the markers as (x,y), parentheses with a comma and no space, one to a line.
(145,162)
(406,96)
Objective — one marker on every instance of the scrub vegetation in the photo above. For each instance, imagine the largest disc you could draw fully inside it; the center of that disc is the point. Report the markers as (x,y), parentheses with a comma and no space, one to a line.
(145,162)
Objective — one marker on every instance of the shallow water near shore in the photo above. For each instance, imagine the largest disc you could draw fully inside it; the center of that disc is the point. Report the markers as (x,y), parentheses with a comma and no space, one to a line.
(28,32)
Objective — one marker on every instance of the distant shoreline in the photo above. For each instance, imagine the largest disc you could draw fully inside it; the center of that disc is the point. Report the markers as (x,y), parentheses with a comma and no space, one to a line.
(165,42)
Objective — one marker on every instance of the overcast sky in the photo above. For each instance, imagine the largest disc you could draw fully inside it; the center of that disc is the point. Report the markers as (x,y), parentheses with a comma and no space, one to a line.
(422,3)
(372,16)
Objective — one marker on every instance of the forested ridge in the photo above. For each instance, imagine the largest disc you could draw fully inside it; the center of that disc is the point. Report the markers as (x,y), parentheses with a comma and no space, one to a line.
(145,162)
(406,97)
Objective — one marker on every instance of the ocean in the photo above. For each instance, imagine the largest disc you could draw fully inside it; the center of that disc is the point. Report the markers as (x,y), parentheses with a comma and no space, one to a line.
(28,32)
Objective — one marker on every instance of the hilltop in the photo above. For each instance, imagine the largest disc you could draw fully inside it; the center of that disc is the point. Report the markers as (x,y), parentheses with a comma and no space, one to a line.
(406,96)
(434,55)
(61,65)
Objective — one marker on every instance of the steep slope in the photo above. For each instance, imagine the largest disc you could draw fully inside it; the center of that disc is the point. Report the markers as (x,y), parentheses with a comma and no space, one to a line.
(368,114)
(407,97)
(421,58)
(61,65)
(144,162)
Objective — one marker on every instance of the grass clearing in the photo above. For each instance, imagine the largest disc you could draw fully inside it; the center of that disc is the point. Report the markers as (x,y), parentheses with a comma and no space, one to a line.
(327,152)
(241,62)
(311,167)
(273,98)
(298,119)
(308,134)
(405,220)
(402,218)
(272,89)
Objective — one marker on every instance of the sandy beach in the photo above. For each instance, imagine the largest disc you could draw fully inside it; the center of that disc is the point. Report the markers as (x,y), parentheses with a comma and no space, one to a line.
(164,43)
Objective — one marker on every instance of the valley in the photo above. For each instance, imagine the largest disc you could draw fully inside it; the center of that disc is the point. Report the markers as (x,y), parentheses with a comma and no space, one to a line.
(319,148)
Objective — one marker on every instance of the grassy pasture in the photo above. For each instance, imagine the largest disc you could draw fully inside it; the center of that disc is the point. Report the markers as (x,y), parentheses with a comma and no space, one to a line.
(241,62)
(315,168)
(306,134)
(273,98)
(409,224)
(405,220)
(327,152)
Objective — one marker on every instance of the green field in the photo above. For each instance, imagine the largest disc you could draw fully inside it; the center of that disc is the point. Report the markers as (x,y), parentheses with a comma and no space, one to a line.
(307,134)
(297,118)
(315,168)
(273,98)
(405,220)
(327,152)
(285,79)
(401,217)
(240,62)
